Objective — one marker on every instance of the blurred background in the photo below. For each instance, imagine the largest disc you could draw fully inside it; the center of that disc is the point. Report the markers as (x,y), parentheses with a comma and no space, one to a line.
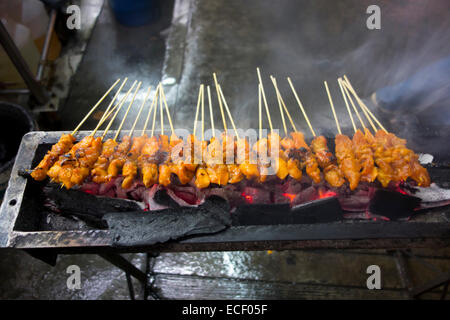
(401,70)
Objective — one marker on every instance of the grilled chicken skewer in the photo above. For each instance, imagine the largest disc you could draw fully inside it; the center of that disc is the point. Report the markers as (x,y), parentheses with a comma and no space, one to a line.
(66,141)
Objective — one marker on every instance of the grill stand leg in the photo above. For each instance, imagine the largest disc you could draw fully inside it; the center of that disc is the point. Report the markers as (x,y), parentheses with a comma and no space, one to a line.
(149,290)
(129,269)
(416,292)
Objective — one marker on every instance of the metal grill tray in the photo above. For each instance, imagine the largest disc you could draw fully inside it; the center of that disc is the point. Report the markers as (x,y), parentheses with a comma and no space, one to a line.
(20,223)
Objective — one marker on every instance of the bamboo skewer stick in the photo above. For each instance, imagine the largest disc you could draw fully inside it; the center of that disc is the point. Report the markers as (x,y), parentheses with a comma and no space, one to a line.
(95,107)
(260,111)
(361,103)
(106,113)
(332,107)
(220,103)
(118,109)
(301,107)
(203,114)
(284,105)
(264,99)
(211,112)
(199,99)
(128,110)
(274,81)
(140,110)
(353,105)
(346,104)
(374,128)
(167,110)
(115,97)
(161,112)
(228,111)
(155,107)
(150,109)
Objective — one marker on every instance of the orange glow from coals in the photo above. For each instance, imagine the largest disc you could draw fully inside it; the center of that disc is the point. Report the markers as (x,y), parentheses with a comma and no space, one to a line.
(326,194)
(399,189)
(290,196)
(248,198)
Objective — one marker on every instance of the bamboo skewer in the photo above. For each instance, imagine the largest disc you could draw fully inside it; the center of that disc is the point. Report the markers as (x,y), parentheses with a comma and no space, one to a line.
(167,110)
(374,128)
(283,104)
(106,113)
(161,112)
(203,114)
(140,110)
(220,103)
(332,107)
(199,99)
(361,103)
(353,105)
(260,111)
(155,107)
(118,109)
(301,107)
(211,112)
(128,110)
(95,107)
(150,110)
(274,81)
(228,111)
(264,99)
(115,97)
(346,103)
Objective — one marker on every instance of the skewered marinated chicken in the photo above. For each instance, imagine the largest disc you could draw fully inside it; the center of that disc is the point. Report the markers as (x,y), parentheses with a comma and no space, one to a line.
(100,171)
(119,157)
(130,168)
(72,168)
(347,161)
(62,146)
(364,154)
(333,175)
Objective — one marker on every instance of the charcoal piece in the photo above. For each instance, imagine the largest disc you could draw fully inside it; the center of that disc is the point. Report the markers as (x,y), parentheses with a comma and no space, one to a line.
(317,211)
(148,228)
(393,205)
(262,214)
(71,201)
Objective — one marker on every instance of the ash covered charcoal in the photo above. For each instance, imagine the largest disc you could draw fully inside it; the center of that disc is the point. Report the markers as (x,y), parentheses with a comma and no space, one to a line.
(144,228)
(75,202)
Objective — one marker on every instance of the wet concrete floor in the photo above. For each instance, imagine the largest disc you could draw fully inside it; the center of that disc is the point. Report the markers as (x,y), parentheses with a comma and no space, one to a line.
(140,53)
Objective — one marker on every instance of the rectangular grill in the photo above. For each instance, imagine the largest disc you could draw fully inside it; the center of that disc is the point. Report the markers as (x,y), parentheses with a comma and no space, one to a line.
(22,224)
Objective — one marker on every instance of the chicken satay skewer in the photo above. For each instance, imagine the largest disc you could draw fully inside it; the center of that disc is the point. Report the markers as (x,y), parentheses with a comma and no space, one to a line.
(101,167)
(128,110)
(63,145)
(71,169)
(294,165)
(344,151)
